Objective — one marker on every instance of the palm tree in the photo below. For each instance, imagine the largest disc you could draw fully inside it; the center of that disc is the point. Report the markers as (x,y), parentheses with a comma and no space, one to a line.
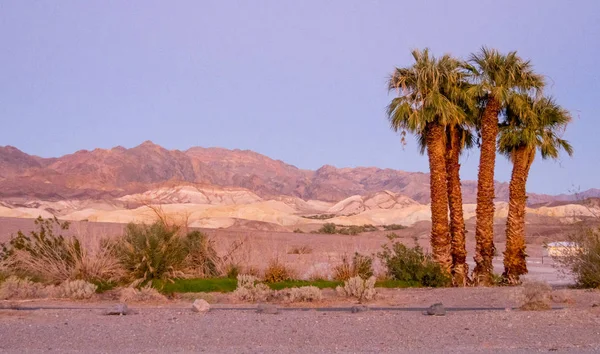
(424,107)
(497,78)
(458,138)
(531,126)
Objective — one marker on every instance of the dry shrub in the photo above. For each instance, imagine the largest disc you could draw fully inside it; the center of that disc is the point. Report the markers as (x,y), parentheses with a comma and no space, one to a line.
(302,294)
(49,256)
(236,255)
(300,250)
(361,266)
(318,271)
(358,288)
(248,289)
(76,289)
(202,259)
(276,271)
(17,288)
(534,296)
(583,259)
(143,294)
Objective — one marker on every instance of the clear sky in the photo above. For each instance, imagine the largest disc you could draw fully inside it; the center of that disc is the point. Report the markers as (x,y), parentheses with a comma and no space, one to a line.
(300,81)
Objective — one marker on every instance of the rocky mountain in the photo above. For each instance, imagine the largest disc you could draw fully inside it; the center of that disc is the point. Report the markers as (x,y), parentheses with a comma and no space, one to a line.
(116,172)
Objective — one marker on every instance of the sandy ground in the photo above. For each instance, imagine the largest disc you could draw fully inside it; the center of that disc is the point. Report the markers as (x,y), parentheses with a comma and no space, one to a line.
(574,326)
(261,247)
(172,327)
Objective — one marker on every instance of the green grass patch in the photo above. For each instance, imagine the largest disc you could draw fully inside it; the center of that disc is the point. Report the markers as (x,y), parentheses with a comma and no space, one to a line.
(321,284)
(221,285)
(391,284)
(226,285)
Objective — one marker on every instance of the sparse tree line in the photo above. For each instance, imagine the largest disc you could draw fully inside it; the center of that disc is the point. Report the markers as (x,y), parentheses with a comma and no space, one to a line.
(491,100)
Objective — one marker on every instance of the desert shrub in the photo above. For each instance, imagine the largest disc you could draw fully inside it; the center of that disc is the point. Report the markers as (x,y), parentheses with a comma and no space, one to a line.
(412,265)
(361,266)
(152,252)
(534,295)
(276,271)
(248,289)
(300,250)
(583,260)
(202,259)
(143,294)
(320,216)
(77,289)
(393,227)
(232,270)
(303,294)
(328,228)
(298,231)
(46,255)
(17,288)
(359,288)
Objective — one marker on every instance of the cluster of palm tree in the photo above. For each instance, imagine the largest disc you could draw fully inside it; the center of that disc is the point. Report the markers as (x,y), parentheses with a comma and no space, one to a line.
(496,101)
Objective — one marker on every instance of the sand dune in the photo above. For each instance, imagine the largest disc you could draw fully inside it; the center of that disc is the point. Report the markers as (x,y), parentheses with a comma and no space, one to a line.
(212,207)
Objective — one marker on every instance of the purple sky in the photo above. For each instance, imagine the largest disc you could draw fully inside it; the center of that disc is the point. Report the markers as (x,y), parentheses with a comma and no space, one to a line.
(300,81)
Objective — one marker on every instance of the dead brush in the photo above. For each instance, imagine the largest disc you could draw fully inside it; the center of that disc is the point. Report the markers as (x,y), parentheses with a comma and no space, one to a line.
(20,289)
(47,255)
(277,271)
(143,294)
(300,250)
(534,296)
(359,288)
(360,265)
(249,289)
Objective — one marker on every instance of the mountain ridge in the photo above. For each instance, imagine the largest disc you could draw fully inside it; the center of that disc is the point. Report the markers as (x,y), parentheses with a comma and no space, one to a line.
(116,172)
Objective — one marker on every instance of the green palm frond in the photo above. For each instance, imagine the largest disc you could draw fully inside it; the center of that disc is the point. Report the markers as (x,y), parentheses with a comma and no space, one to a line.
(534,124)
(501,75)
(432,90)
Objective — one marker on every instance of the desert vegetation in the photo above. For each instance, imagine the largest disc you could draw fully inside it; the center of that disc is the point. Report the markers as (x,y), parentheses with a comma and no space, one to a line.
(498,97)
(170,258)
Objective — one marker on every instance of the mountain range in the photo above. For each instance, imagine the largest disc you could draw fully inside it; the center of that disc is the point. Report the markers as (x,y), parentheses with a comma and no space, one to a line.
(103,174)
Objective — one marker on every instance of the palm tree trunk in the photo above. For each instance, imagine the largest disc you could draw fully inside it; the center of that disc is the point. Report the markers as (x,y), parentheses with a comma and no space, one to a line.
(460,269)
(515,263)
(484,229)
(440,237)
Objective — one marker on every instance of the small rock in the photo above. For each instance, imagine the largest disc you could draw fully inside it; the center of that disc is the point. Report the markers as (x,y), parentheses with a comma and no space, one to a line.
(200,305)
(118,310)
(267,308)
(595,305)
(359,308)
(436,310)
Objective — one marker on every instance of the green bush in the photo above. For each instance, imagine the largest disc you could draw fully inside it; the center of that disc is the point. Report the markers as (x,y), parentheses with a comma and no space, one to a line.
(583,259)
(393,227)
(412,265)
(152,252)
(328,228)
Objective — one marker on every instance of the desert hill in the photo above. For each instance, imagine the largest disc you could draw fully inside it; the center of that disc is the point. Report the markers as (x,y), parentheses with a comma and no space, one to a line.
(109,174)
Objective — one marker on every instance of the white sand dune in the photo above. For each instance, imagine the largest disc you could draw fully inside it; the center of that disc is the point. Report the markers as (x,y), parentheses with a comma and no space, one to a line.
(221,207)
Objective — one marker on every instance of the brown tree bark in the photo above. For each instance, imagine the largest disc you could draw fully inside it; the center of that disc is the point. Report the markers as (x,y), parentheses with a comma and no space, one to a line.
(440,236)
(484,228)
(515,263)
(460,268)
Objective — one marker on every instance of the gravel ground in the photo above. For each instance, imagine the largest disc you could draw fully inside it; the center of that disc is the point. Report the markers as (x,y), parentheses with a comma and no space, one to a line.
(172,330)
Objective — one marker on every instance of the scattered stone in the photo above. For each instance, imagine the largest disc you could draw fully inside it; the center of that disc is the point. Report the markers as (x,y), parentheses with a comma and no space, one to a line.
(359,308)
(595,305)
(436,310)
(118,310)
(267,308)
(200,305)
